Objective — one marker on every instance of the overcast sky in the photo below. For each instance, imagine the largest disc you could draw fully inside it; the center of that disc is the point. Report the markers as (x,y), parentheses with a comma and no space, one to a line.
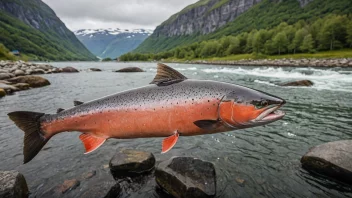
(90,14)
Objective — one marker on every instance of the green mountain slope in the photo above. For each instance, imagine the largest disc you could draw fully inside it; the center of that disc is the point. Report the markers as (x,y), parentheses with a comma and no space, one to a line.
(31,27)
(264,14)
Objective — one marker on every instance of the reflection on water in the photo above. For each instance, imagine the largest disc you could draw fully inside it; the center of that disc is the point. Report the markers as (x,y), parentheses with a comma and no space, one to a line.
(266,158)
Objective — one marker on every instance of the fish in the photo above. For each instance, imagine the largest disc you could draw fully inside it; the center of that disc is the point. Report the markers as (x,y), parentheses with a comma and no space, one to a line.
(170,106)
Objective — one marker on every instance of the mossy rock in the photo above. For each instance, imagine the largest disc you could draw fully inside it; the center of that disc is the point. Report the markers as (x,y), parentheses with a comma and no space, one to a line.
(2,93)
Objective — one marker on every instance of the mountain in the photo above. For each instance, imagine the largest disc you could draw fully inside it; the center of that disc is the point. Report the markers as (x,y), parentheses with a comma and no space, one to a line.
(213,19)
(33,28)
(111,43)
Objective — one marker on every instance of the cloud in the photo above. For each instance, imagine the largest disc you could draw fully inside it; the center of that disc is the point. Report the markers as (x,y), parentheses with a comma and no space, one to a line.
(83,14)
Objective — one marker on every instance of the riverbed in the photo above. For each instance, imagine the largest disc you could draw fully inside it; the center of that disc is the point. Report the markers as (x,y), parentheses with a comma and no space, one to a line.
(266,159)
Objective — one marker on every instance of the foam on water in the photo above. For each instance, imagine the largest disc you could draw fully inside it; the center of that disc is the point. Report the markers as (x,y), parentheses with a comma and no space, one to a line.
(324,79)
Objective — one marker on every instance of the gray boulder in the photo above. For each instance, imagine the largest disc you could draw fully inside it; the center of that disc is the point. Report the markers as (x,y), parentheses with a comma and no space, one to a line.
(8,88)
(186,177)
(127,163)
(130,69)
(95,69)
(13,185)
(69,70)
(333,159)
(33,81)
(300,83)
(4,76)
(19,73)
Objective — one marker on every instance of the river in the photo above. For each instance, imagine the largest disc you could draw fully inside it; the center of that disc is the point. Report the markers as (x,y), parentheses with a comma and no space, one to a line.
(266,158)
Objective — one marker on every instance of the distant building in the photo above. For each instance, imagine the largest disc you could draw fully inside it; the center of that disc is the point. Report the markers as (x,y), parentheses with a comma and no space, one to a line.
(15,52)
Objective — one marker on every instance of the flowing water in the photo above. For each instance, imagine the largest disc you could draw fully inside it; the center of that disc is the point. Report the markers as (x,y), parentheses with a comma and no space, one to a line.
(267,158)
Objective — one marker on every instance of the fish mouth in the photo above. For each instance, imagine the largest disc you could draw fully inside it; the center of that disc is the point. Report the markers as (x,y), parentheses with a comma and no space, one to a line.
(271,114)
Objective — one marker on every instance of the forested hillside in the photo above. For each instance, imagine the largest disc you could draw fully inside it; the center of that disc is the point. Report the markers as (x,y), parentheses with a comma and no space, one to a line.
(329,33)
(266,14)
(33,28)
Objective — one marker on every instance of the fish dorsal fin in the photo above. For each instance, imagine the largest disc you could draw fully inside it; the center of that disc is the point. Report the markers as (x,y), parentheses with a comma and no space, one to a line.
(77,103)
(166,76)
(90,142)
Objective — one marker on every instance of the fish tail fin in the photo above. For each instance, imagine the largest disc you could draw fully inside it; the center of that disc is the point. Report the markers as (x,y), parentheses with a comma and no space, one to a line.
(34,139)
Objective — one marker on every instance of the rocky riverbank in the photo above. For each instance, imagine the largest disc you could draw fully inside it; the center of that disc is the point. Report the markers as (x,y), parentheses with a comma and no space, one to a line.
(343,62)
(18,76)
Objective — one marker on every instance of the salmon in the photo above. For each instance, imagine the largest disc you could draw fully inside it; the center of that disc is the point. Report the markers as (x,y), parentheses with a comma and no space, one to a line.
(171,106)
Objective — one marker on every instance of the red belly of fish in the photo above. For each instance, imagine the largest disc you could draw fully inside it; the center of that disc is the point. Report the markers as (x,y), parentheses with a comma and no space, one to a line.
(152,121)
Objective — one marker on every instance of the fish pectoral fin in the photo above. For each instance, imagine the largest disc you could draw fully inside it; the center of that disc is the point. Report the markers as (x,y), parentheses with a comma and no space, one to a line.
(208,124)
(59,110)
(77,103)
(90,142)
(169,142)
(166,76)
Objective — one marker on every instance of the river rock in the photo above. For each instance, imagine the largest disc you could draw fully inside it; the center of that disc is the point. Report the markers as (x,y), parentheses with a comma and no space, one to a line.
(56,70)
(95,69)
(2,93)
(19,73)
(69,185)
(186,177)
(8,88)
(301,83)
(131,163)
(22,86)
(130,69)
(4,76)
(333,159)
(69,70)
(13,185)
(37,71)
(33,81)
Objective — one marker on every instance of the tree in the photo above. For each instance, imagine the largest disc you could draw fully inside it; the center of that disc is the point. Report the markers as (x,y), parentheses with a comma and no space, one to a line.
(258,41)
(280,42)
(307,44)
(349,34)
(333,32)
(297,41)
(234,47)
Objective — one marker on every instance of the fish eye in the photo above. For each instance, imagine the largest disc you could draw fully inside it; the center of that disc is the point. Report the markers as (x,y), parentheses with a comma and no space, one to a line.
(260,104)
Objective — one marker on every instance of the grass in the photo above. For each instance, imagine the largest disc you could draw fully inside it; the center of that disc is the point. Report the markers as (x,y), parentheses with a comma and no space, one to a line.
(345,53)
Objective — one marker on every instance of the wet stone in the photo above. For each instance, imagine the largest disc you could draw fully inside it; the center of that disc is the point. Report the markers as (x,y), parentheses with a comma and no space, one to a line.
(2,93)
(69,185)
(89,174)
(301,83)
(333,159)
(33,81)
(95,69)
(186,177)
(129,163)
(130,69)
(13,185)
(69,70)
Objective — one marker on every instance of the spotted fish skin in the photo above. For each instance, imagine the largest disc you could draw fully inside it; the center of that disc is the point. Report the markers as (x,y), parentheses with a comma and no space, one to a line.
(150,111)
(170,107)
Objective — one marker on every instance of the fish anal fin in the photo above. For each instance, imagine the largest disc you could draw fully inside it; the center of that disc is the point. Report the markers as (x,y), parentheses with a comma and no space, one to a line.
(77,103)
(169,142)
(90,142)
(167,75)
(208,124)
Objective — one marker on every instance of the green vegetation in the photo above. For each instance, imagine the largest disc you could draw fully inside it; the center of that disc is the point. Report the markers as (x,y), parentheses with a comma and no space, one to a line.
(5,53)
(329,33)
(107,59)
(265,15)
(37,45)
